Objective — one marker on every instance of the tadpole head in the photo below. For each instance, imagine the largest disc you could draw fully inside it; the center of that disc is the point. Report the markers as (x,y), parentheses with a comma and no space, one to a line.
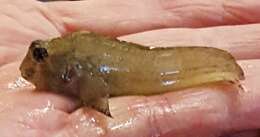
(35,56)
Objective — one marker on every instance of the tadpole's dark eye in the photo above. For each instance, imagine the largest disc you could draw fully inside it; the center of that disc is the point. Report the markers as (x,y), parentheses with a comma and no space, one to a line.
(39,54)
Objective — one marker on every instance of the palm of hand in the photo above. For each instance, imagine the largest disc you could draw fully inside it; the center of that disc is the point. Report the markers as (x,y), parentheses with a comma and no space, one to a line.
(30,113)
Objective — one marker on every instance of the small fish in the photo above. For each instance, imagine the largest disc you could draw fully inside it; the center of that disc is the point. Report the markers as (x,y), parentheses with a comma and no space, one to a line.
(93,68)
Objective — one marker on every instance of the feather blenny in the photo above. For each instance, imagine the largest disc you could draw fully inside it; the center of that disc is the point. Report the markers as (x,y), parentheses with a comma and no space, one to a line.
(93,68)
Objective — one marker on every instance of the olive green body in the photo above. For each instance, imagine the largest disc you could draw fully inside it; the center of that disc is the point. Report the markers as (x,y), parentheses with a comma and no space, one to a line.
(94,67)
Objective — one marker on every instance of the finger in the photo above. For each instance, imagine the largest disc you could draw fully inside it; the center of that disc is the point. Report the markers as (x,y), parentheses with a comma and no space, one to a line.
(242,40)
(247,133)
(201,111)
(117,17)
(8,55)
(21,23)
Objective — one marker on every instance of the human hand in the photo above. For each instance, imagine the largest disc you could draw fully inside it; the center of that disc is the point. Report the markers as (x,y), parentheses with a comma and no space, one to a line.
(202,111)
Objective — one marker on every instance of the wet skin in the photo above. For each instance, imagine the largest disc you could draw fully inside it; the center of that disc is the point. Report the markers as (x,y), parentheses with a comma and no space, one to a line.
(94,68)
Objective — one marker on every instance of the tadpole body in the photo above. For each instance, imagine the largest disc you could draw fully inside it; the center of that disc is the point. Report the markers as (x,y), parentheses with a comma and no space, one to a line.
(93,68)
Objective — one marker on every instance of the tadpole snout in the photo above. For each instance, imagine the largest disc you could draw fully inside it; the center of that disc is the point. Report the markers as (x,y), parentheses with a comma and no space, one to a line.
(28,73)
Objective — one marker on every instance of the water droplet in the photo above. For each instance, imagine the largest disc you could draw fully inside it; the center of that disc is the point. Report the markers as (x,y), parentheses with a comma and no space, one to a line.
(18,83)
(106,69)
(170,72)
(76,126)
(66,77)
(40,112)
(168,82)
(151,47)
(125,124)
(93,120)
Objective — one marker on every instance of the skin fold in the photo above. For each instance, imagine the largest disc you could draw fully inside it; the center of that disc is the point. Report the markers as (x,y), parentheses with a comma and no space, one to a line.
(93,68)
(204,112)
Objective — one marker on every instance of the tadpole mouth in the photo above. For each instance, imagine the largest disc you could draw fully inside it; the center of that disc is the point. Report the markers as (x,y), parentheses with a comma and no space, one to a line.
(39,53)
(28,74)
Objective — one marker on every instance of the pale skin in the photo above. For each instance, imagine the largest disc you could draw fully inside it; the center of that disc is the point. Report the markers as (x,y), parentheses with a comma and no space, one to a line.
(204,111)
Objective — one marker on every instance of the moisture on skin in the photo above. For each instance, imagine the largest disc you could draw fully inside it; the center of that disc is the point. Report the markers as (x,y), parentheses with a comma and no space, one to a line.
(93,68)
